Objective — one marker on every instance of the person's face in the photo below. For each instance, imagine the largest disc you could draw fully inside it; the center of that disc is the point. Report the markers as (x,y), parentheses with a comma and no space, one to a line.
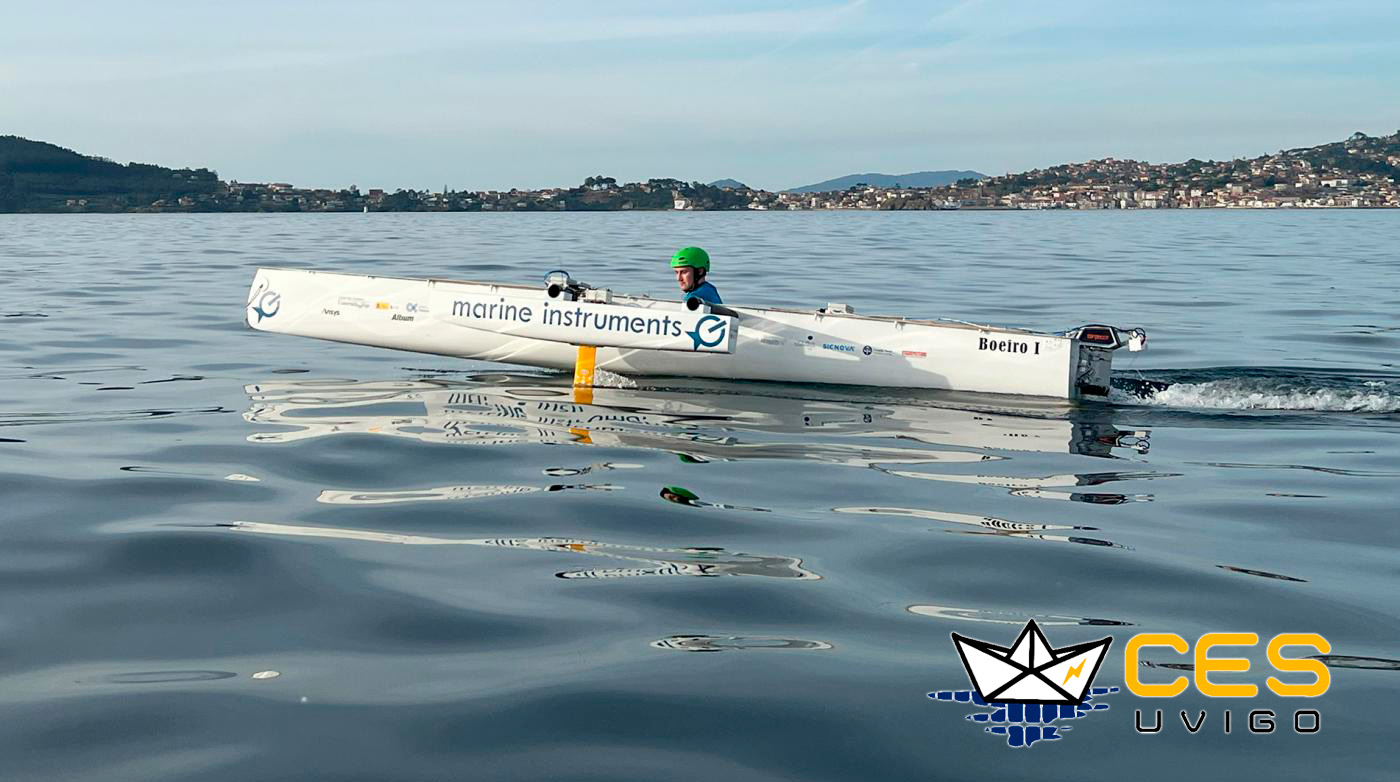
(687,278)
(671,496)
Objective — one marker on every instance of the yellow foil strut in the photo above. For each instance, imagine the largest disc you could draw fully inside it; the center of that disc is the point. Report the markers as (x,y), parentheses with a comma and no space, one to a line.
(583,374)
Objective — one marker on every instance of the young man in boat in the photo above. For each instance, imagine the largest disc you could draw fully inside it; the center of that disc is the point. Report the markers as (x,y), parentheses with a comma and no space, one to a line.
(692,265)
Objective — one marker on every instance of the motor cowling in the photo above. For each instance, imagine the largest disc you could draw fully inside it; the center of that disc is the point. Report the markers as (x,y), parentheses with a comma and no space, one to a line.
(1110,337)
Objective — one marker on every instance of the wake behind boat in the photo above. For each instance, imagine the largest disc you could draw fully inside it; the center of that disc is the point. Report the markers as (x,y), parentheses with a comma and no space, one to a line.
(569,325)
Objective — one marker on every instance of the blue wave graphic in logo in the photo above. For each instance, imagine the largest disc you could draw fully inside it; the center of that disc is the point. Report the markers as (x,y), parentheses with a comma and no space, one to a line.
(709,332)
(1024,724)
(268,304)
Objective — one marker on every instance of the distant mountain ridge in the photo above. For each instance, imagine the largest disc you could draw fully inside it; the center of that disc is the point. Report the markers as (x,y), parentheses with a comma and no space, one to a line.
(729,184)
(915,179)
(1360,171)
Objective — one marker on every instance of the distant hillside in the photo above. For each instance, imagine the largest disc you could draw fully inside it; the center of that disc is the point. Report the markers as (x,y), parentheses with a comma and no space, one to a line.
(37,176)
(1360,171)
(915,179)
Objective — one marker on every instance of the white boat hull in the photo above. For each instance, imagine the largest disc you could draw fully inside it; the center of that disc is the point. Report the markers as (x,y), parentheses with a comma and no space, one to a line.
(768,344)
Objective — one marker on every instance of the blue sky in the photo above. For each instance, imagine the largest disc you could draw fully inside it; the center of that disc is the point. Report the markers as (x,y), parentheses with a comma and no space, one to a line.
(777,94)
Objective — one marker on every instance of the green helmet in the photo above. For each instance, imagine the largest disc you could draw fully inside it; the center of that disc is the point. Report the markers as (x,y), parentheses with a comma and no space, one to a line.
(691,256)
(680,492)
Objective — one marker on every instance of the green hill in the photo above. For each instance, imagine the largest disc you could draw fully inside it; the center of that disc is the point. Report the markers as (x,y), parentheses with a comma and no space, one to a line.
(37,176)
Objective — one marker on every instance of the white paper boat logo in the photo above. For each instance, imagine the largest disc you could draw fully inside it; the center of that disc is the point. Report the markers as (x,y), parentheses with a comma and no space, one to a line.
(1029,671)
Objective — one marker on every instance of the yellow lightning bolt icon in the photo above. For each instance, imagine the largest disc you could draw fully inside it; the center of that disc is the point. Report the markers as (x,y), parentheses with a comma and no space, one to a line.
(1074,671)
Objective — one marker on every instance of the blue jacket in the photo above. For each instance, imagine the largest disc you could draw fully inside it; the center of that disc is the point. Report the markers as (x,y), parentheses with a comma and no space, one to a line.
(706,293)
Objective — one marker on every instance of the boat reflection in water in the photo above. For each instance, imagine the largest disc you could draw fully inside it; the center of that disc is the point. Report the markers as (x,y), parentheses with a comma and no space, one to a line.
(720,643)
(643,560)
(1010,617)
(990,525)
(1044,487)
(699,424)
(906,438)
(462,492)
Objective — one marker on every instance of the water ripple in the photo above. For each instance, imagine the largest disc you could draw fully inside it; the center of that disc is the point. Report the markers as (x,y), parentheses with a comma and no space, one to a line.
(462,569)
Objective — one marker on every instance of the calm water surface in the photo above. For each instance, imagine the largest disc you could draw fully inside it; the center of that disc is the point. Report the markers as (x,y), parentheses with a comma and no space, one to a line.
(230,555)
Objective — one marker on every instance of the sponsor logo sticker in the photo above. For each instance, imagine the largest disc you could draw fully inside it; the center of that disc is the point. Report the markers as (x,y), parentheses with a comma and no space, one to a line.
(709,331)
(265,302)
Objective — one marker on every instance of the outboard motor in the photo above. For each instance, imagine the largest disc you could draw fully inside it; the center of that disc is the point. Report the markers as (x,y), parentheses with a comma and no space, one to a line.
(1096,345)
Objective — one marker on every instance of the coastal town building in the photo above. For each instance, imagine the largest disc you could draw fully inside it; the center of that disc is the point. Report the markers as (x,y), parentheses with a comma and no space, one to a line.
(1360,172)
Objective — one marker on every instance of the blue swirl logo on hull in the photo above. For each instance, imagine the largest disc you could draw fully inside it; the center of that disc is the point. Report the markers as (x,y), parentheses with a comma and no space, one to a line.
(265,302)
(709,332)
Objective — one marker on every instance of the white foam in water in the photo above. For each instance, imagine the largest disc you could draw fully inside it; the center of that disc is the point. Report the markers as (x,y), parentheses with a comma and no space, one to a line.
(1251,394)
(602,378)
